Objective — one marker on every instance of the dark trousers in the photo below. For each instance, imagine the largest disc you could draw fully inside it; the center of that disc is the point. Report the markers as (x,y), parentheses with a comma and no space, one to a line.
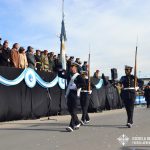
(148,102)
(72,108)
(128,97)
(84,102)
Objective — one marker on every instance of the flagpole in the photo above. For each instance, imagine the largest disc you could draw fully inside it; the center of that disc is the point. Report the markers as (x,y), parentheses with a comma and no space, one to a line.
(63,15)
(63,40)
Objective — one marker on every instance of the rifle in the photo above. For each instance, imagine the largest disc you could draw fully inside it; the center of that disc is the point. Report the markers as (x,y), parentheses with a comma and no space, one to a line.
(135,69)
(89,79)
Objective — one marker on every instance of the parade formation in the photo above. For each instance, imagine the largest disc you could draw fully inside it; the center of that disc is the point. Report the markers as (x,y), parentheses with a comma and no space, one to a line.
(70,82)
(78,85)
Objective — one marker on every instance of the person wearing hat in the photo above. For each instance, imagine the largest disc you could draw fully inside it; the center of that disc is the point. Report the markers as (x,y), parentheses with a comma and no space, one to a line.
(74,83)
(84,66)
(128,94)
(85,95)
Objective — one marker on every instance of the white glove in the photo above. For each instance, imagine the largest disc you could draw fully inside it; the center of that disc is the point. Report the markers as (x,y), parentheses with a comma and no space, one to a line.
(136,88)
(90,92)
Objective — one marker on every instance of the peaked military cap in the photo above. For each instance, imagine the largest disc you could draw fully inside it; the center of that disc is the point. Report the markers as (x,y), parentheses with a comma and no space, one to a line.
(74,64)
(128,67)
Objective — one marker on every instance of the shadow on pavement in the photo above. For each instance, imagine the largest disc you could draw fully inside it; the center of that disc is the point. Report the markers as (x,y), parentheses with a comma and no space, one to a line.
(107,126)
(60,127)
(38,124)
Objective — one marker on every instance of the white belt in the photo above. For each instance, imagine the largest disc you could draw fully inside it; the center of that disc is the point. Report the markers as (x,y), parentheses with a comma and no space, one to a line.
(132,88)
(86,91)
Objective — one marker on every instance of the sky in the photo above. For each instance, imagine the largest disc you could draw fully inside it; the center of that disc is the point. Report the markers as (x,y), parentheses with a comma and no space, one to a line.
(109,29)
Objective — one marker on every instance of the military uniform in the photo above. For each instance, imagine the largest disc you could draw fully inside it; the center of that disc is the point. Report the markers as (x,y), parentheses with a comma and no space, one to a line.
(128,95)
(45,63)
(75,82)
(147,95)
(85,98)
(72,102)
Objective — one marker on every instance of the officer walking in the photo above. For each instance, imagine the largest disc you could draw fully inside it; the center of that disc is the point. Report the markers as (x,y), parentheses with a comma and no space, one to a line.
(128,94)
(75,82)
(147,94)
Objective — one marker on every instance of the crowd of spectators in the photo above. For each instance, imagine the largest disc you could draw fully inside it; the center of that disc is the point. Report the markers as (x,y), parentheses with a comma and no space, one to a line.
(19,57)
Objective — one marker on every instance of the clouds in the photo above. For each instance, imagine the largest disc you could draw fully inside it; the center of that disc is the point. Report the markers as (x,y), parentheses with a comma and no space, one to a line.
(110,26)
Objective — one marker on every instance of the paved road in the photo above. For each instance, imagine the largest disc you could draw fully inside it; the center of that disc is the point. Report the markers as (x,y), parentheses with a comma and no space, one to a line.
(100,134)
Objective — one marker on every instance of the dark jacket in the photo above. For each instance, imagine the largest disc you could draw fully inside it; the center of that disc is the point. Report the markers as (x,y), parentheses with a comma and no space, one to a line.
(5,57)
(38,62)
(78,81)
(147,93)
(31,60)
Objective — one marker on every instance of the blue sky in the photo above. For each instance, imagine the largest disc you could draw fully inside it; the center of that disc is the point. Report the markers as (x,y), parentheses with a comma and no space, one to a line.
(109,26)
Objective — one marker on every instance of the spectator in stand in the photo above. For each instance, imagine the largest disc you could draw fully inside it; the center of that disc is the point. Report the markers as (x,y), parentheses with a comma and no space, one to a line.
(22,58)
(38,60)
(96,74)
(79,68)
(45,61)
(77,60)
(0,49)
(0,42)
(69,62)
(30,57)
(57,62)
(84,66)
(51,61)
(15,55)
(5,55)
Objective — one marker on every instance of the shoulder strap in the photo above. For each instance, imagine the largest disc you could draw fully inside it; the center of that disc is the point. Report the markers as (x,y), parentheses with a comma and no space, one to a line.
(71,81)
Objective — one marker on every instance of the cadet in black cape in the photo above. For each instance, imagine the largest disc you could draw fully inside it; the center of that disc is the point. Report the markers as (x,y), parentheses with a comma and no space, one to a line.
(75,82)
(128,94)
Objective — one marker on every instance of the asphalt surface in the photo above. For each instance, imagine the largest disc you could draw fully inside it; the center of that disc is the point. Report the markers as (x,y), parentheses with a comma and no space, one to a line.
(101,134)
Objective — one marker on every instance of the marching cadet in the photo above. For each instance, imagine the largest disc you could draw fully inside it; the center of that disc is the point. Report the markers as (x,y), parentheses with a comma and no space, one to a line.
(74,81)
(128,94)
(85,95)
(147,94)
